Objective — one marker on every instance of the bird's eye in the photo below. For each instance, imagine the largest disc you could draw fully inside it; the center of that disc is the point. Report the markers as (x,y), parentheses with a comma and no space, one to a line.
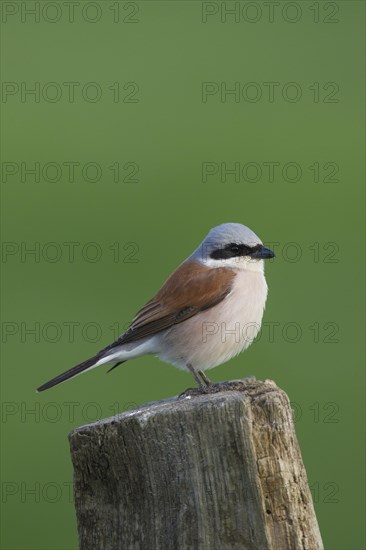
(230,250)
(234,248)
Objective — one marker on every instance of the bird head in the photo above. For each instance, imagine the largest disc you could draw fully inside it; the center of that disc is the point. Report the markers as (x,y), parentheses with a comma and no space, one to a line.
(232,245)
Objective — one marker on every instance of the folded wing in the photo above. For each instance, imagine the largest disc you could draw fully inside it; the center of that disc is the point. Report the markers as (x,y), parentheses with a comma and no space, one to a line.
(190,289)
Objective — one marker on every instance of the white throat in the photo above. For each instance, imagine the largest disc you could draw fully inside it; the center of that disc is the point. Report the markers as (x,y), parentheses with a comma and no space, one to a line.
(240,263)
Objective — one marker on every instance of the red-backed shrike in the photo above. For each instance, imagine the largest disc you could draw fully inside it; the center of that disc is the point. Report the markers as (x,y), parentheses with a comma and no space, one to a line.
(209,310)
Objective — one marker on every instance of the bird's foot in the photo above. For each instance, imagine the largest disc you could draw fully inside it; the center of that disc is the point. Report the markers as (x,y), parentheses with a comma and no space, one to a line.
(204,378)
(216,387)
(193,392)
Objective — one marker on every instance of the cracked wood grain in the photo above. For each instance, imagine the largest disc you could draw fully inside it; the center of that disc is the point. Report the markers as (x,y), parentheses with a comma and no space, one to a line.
(221,471)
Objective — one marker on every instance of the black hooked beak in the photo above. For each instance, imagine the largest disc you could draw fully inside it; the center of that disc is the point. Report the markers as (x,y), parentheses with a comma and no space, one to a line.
(262,253)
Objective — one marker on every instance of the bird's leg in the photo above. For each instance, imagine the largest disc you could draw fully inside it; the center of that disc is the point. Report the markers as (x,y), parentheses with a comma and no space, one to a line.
(206,380)
(196,377)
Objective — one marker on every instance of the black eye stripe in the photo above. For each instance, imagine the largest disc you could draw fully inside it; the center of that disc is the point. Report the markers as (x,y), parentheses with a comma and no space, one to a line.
(232,250)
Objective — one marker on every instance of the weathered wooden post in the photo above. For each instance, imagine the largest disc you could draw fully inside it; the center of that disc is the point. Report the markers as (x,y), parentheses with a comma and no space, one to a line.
(221,471)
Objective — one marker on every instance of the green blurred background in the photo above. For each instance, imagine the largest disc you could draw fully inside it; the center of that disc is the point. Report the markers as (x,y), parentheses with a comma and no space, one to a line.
(131,228)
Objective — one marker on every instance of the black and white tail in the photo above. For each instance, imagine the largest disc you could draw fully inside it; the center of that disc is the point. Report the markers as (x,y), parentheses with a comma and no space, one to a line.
(78,369)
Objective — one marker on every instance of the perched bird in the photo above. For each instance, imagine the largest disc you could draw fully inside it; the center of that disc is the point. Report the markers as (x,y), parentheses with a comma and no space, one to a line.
(209,310)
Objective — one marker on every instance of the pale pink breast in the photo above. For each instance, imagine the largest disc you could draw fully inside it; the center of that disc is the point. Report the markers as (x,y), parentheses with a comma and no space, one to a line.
(218,334)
